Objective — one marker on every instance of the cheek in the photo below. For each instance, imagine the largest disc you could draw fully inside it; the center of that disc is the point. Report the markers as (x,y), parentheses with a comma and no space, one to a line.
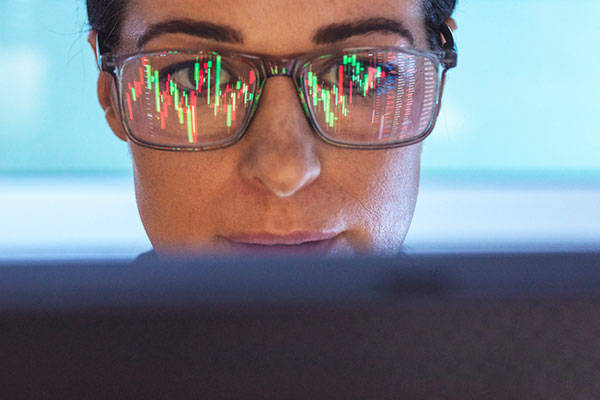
(385,186)
(177,192)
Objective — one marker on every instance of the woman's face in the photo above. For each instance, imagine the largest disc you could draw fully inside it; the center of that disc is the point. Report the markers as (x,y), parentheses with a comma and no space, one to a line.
(280,189)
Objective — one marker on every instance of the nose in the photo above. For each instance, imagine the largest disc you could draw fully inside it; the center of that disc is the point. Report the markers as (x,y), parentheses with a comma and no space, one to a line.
(280,147)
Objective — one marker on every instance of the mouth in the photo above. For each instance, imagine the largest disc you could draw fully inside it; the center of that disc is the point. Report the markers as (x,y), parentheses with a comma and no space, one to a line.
(297,243)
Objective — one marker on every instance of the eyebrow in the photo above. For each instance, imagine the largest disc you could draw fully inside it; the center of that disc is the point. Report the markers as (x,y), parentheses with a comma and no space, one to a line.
(341,31)
(325,35)
(219,33)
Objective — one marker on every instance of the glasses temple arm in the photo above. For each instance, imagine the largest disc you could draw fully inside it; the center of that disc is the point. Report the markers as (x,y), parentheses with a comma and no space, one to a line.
(106,61)
(450,58)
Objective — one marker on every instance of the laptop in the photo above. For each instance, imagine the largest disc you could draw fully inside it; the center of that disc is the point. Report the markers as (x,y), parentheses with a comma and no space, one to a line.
(436,326)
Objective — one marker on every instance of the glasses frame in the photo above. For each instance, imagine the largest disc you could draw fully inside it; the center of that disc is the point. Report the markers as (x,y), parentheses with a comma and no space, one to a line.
(294,67)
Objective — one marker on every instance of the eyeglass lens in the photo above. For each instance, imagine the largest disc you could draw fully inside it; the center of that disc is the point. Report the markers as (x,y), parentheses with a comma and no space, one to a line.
(179,99)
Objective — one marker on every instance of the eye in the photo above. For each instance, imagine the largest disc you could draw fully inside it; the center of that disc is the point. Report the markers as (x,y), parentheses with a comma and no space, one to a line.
(362,73)
(350,72)
(184,75)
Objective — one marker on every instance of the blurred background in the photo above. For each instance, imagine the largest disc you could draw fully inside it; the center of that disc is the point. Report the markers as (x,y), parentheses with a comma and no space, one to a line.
(513,163)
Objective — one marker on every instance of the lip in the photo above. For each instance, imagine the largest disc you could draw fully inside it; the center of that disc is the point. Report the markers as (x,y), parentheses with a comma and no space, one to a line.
(292,243)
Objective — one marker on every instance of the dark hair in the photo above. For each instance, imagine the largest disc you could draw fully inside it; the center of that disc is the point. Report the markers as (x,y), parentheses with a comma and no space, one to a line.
(105,16)
(435,13)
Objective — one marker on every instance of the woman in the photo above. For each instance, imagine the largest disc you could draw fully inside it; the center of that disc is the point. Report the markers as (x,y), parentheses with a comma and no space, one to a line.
(326,162)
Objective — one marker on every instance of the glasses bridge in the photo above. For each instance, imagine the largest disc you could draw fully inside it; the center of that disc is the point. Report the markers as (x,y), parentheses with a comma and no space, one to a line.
(281,67)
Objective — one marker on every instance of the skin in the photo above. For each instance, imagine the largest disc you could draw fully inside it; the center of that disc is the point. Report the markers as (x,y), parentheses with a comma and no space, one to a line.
(280,179)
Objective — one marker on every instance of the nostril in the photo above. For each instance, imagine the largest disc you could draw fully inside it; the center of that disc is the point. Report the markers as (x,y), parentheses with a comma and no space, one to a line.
(290,179)
(280,170)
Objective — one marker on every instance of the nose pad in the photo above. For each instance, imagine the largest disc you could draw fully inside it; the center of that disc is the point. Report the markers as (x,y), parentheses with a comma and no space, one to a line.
(280,145)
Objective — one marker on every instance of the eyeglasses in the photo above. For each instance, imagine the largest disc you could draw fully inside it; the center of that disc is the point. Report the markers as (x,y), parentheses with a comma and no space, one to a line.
(364,98)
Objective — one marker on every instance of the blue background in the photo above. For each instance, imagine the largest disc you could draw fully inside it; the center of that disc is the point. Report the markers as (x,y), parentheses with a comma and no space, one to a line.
(524,100)
(514,159)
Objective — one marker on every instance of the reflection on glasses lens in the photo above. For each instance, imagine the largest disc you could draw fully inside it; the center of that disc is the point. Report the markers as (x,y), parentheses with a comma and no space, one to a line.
(374,98)
(178,99)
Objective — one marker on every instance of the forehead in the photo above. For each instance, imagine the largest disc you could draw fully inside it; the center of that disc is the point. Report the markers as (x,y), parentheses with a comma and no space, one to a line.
(271,26)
